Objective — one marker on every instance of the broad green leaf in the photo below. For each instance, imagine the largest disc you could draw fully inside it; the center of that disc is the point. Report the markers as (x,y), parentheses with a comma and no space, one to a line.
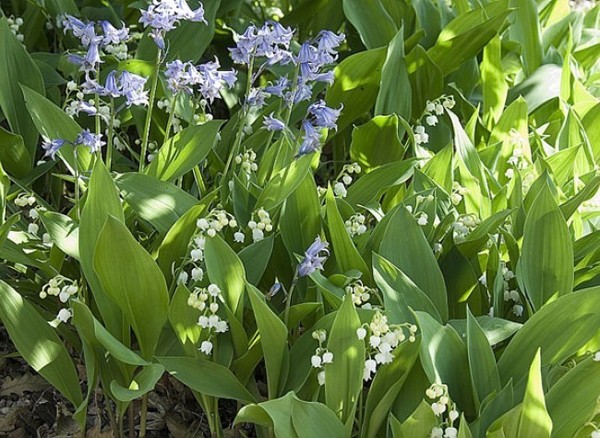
(312,419)
(101,202)
(17,68)
(419,424)
(546,262)
(95,334)
(184,320)
(347,256)
(426,78)
(38,343)
(256,257)
(134,281)
(273,338)
(482,363)
(371,186)
(344,377)
(493,81)
(573,400)
(283,184)
(415,259)
(206,377)
(226,270)
(386,385)
(400,294)
(182,152)
(448,364)
(394,92)
(525,29)
(375,26)
(63,231)
(155,201)
(356,85)
(496,330)
(559,329)
(467,34)
(142,383)
(14,156)
(377,142)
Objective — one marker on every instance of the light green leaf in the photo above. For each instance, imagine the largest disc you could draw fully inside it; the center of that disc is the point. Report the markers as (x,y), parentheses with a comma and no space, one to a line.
(142,383)
(375,26)
(132,279)
(377,142)
(63,231)
(14,156)
(281,185)
(37,342)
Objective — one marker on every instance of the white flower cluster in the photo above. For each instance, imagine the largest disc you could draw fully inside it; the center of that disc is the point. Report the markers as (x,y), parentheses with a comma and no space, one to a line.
(443,405)
(165,105)
(463,226)
(458,192)
(207,300)
(119,51)
(360,294)
(260,223)
(63,288)
(322,356)
(517,159)
(433,109)
(510,294)
(355,225)
(247,161)
(152,150)
(345,179)
(215,222)
(383,339)
(25,200)
(15,24)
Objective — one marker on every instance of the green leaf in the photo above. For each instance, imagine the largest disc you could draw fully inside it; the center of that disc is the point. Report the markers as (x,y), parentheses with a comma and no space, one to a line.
(142,383)
(375,26)
(377,142)
(416,259)
(37,342)
(184,320)
(450,364)
(273,338)
(493,81)
(386,386)
(95,334)
(394,92)
(467,34)
(525,30)
(185,150)
(256,257)
(283,184)
(546,263)
(482,362)
(155,201)
(344,377)
(132,279)
(52,122)
(101,202)
(573,400)
(356,85)
(206,377)
(400,294)
(559,329)
(347,256)
(369,187)
(63,231)
(17,68)
(14,156)
(226,270)
(419,424)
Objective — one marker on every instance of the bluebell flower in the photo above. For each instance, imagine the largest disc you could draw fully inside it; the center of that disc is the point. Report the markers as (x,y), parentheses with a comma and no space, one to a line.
(163,16)
(271,42)
(112,35)
(85,107)
(273,124)
(323,116)
(256,98)
(86,32)
(212,79)
(314,257)
(311,140)
(279,87)
(52,146)
(132,88)
(92,141)
(181,76)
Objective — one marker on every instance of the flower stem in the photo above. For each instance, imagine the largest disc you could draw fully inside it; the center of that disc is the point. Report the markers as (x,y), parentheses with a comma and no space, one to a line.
(146,133)
(111,126)
(143,415)
(242,123)
(171,116)
(288,300)
(77,194)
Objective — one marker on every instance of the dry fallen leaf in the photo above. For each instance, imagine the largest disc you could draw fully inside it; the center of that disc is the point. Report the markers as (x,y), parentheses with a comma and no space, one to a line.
(26,382)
